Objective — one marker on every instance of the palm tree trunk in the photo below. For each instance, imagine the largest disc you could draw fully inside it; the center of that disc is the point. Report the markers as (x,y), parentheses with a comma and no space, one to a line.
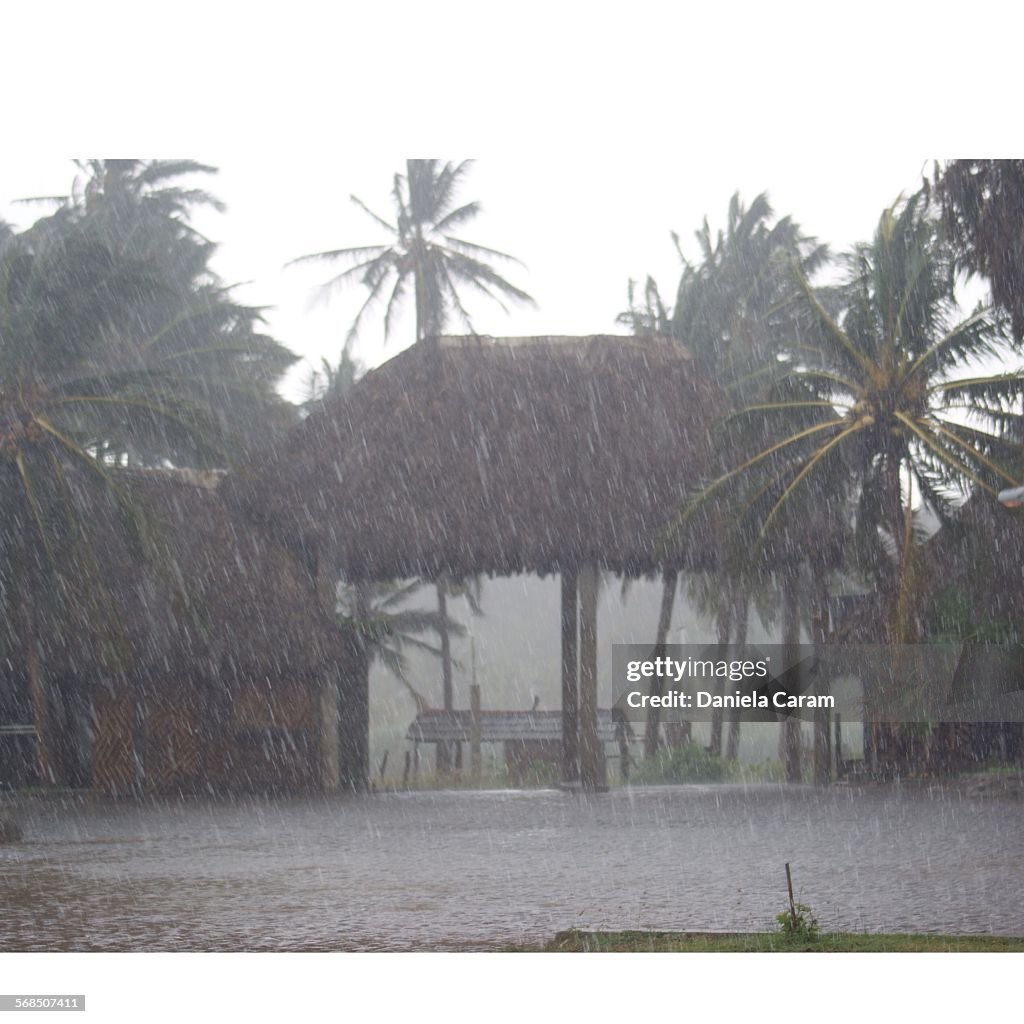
(822,717)
(725,610)
(732,739)
(791,641)
(893,749)
(652,727)
(354,706)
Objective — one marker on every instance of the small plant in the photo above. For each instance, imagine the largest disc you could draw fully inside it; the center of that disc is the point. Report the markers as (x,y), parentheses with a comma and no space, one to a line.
(798,924)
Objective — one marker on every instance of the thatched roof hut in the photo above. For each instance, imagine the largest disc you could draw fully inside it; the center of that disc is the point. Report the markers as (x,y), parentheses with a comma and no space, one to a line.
(207,591)
(253,603)
(469,455)
(210,630)
(981,557)
(501,456)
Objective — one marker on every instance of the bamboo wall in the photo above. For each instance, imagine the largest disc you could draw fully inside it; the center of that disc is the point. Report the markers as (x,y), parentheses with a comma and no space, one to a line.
(190,738)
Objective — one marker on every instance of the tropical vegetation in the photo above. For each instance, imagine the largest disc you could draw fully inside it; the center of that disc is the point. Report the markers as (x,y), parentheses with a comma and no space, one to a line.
(119,349)
(422,255)
(865,407)
(882,413)
(732,311)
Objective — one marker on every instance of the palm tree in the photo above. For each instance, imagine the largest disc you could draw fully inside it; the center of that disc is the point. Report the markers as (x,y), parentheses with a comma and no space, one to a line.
(83,389)
(57,299)
(423,254)
(185,332)
(983,213)
(731,312)
(388,627)
(192,330)
(875,399)
(377,627)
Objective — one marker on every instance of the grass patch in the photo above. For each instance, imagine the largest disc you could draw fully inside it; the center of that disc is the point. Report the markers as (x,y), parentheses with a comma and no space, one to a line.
(775,942)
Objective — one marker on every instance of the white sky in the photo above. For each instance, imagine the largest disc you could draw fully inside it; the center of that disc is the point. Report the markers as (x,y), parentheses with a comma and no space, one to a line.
(582,226)
(598,130)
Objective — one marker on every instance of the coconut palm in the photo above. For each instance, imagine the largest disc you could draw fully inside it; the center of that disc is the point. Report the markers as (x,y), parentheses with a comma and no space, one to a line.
(185,331)
(85,388)
(879,397)
(387,627)
(878,400)
(424,256)
(376,627)
(57,300)
(732,312)
(371,615)
(983,213)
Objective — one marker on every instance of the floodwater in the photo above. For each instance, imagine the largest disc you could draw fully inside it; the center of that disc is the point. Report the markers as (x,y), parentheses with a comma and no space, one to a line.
(465,870)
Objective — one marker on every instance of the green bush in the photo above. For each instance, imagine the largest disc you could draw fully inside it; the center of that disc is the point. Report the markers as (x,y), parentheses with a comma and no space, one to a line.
(799,927)
(688,763)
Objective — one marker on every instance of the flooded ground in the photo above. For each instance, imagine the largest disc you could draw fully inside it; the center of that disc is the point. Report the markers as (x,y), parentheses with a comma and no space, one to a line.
(478,870)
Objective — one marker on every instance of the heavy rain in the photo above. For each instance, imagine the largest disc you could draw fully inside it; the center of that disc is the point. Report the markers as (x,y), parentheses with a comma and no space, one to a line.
(367,587)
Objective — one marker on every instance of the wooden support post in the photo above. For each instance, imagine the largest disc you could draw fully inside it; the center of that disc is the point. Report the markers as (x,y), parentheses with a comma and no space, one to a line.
(329,733)
(475,759)
(39,690)
(443,750)
(822,748)
(325,586)
(792,902)
(353,718)
(570,692)
(591,760)
(839,745)
(353,712)
(139,738)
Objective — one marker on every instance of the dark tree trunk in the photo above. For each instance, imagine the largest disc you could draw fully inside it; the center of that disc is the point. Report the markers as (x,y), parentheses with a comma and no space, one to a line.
(652,727)
(732,738)
(354,707)
(791,641)
(822,717)
(725,612)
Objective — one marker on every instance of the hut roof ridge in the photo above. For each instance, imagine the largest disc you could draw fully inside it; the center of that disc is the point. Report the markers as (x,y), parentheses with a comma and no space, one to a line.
(562,342)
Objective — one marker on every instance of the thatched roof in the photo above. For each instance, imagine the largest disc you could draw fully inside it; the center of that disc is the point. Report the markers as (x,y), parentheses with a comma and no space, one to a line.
(499,456)
(208,594)
(982,556)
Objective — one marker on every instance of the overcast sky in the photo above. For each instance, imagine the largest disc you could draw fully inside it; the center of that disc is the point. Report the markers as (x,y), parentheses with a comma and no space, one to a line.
(596,136)
(582,227)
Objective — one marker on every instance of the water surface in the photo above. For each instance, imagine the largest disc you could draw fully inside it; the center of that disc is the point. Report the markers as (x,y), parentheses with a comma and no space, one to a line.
(478,870)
